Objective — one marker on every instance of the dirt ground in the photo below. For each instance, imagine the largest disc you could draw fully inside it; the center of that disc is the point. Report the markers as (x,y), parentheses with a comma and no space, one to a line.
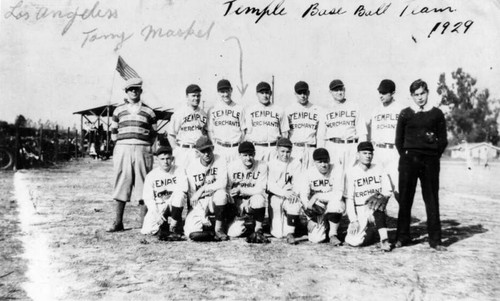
(54,247)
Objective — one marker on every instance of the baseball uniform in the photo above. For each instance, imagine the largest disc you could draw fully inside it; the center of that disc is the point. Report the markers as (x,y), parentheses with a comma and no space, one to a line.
(360,184)
(162,191)
(327,190)
(213,178)
(283,211)
(226,125)
(265,124)
(186,125)
(341,128)
(382,126)
(252,184)
(303,121)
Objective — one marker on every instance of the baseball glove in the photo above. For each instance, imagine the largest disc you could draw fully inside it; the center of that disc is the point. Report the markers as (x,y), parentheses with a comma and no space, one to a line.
(257,238)
(377,202)
(317,209)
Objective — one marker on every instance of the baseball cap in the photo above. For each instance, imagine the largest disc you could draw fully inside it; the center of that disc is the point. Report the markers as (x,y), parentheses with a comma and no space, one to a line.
(133,82)
(320,154)
(301,87)
(365,145)
(203,143)
(246,147)
(223,84)
(263,86)
(386,86)
(163,150)
(285,142)
(336,83)
(193,89)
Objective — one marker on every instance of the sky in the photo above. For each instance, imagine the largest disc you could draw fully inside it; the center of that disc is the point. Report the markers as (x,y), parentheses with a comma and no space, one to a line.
(59,57)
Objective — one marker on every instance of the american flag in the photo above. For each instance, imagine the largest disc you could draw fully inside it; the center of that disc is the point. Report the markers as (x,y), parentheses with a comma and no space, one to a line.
(125,70)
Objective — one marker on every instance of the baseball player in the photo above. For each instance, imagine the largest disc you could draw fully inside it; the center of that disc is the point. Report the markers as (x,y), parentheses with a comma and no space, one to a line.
(207,177)
(321,192)
(382,129)
(284,199)
(362,182)
(247,179)
(133,129)
(186,125)
(265,123)
(342,127)
(165,189)
(303,118)
(226,123)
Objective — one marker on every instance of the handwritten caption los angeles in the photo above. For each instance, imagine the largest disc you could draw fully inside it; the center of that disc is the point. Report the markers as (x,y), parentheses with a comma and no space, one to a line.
(314,10)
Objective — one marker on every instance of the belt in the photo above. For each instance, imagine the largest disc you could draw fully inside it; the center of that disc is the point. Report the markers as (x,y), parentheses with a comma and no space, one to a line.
(186,145)
(385,145)
(265,143)
(338,140)
(301,144)
(225,144)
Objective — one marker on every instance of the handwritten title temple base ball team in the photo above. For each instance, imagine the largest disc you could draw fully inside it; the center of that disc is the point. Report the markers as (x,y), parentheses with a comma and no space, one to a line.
(231,167)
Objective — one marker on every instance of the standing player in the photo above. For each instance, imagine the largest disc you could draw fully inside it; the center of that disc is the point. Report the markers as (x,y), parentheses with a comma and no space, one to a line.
(420,140)
(321,195)
(341,127)
(226,123)
(285,204)
(303,117)
(165,189)
(363,181)
(186,125)
(247,179)
(207,176)
(133,129)
(382,127)
(265,123)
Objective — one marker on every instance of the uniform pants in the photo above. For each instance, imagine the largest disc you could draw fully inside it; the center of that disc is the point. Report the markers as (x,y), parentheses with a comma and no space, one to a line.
(264,153)
(227,153)
(389,159)
(164,208)
(183,156)
(304,154)
(413,167)
(343,154)
(279,209)
(131,164)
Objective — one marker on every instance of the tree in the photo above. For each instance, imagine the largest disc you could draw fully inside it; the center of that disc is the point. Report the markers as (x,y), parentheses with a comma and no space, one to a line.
(20,121)
(470,114)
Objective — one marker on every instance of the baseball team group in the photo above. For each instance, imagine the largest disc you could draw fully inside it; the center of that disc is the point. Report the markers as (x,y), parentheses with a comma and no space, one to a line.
(232,166)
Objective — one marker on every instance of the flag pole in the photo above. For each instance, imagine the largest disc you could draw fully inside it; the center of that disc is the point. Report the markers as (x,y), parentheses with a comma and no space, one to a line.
(272,88)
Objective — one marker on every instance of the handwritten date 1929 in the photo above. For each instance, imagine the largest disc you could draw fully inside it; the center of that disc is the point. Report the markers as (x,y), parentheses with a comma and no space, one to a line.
(456,28)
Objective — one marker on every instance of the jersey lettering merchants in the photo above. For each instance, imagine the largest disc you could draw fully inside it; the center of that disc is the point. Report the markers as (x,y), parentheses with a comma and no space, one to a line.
(226,122)
(158,182)
(360,184)
(383,123)
(304,121)
(187,125)
(213,176)
(265,123)
(254,178)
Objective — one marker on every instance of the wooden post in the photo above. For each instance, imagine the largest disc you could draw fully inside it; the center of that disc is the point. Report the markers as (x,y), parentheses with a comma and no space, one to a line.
(56,144)
(16,150)
(40,140)
(68,142)
(76,144)
(81,136)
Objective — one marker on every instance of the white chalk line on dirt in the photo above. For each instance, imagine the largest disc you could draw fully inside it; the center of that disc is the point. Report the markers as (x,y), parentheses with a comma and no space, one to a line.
(42,283)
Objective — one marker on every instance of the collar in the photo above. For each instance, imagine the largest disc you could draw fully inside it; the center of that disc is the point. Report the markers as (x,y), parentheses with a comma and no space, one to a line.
(426,107)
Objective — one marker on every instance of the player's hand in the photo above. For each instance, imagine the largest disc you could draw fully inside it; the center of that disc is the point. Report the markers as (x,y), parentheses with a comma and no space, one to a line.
(235,191)
(289,194)
(160,219)
(353,228)
(311,203)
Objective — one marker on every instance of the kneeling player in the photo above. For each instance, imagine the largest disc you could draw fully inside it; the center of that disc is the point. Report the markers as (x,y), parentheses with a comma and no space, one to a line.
(285,203)
(367,189)
(247,180)
(207,177)
(164,194)
(321,195)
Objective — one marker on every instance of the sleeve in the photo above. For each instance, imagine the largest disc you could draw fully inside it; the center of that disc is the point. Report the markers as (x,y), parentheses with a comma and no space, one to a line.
(154,126)
(183,185)
(442,135)
(361,129)
(221,181)
(386,184)
(148,192)
(274,176)
(349,196)
(400,132)
(175,124)
(243,124)
(284,123)
(304,189)
(114,126)
(260,185)
(321,133)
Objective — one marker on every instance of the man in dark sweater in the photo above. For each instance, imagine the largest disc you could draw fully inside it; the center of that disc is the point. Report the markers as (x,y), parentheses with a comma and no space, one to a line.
(420,140)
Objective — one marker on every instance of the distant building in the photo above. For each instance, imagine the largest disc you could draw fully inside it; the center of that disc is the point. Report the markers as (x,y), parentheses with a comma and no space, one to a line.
(479,151)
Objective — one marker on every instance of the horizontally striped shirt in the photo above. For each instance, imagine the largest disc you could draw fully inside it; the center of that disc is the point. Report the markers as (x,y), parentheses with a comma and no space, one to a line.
(129,126)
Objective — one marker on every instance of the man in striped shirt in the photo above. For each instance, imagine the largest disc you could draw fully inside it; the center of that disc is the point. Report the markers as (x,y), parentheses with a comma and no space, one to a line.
(133,129)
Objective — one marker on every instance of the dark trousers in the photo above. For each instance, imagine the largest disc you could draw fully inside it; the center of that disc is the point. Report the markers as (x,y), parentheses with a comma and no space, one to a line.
(413,166)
